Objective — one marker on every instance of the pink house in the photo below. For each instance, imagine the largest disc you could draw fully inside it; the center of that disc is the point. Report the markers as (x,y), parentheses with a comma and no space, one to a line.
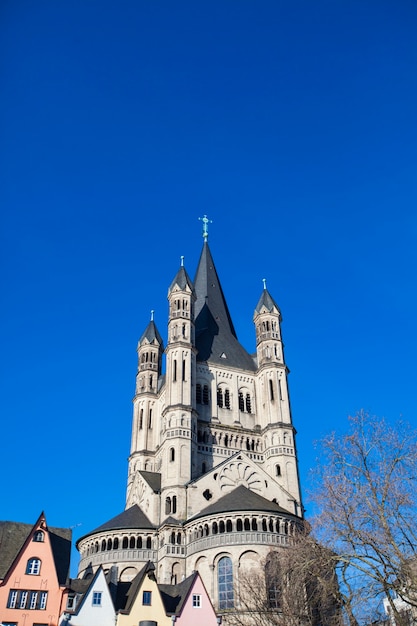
(34,566)
(188,603)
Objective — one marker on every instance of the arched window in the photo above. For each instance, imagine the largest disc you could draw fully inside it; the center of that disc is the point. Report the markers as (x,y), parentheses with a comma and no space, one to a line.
(38,536)
(203,468)
(116,544)
(239,525)
(167,506)
(124,543)
(220,397)
(141,420)
(221,526)
(198,394)
(172,538)
(229,526)
(205,394)
(248,403)
(247,524)
(109,544)
(132,542)
(277,470)
(172,454)
(225,583)
(241,402)
(174,504)
(33,567)
(149,543)
(254,524)
(227,399)
(139,542)
(103,545)
(215,528)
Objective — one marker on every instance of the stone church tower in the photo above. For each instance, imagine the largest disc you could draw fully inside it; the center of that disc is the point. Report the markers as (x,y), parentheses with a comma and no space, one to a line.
(213,480)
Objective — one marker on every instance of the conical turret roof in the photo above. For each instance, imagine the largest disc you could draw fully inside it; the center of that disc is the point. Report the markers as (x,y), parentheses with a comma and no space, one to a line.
(151,334)
(216,339)
(182,280)
(267,301)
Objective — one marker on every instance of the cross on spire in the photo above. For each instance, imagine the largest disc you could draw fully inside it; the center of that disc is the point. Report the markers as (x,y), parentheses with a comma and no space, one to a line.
(205,221)
(264,282)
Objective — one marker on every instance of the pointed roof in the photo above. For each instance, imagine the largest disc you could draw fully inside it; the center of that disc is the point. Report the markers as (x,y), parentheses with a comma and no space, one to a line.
(174,596)
(151,334)
(182,280)
(153,479)
(133,517)
(241,499)
(216,339)
(267,301)
(127,596)
(14,536)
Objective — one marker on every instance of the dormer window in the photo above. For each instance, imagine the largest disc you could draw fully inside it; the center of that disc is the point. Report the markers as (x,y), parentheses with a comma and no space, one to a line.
(39,536)
(33,567)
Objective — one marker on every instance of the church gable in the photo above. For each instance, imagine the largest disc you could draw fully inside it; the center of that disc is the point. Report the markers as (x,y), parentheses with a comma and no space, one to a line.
(237,471)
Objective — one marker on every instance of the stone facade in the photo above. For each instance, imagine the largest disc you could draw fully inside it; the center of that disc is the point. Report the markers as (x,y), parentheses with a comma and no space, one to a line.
(213,478)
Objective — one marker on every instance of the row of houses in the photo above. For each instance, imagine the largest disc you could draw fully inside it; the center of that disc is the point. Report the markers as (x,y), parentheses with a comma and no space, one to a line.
(35,588)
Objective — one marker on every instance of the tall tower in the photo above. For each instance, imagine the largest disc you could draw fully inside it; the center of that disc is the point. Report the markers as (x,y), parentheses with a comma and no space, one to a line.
(213,479)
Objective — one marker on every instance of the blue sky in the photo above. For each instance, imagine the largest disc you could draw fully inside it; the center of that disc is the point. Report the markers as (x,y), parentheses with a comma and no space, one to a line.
(292,125)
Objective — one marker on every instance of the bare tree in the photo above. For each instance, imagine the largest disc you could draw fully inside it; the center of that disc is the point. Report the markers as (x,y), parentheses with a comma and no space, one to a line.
(365,493)
(296,586)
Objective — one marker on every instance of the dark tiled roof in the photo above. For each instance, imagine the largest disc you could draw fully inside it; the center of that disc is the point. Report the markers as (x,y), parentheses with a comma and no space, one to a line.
(241,499)
(126,594)
(267,301)
(14,534)
(130,518)
(171,521)
(216,339)
(153,479)
(174,596)
(151,334)
(182,280)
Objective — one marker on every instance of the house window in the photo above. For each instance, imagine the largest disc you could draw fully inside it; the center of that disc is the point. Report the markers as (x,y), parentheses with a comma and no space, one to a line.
(33,567)
(97,598)
(38,536)
(23,599)
(172,454)
(71,602)
(225,583)
(196,601)
(11,603)
(42,600)
(33,599)
(147,598)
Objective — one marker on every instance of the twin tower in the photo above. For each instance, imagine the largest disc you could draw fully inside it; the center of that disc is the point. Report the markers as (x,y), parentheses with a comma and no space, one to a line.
(213,480)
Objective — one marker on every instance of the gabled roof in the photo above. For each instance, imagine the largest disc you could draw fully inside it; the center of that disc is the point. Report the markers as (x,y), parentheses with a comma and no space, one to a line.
(84,588)
(174,596)
(133,517)
(14,536)
(267,301)
(153,479)
(151,334)
(126,598)
(240,499)
(216,339)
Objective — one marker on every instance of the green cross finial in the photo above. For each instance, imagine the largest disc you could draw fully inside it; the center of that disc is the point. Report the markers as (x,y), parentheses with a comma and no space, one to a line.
(205,221)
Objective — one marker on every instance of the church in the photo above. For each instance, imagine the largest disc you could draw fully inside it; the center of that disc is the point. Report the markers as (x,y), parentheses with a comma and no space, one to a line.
(213,481)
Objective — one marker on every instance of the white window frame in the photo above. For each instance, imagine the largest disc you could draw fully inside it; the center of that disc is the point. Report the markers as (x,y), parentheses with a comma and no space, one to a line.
(42,600)
(97,597)
(196,600)
(33,567)
(33,600)
(11,604)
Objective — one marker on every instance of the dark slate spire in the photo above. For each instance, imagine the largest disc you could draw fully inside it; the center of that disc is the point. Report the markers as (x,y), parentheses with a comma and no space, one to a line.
(267,301)
(216,339)
(151,334)
(181,279)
